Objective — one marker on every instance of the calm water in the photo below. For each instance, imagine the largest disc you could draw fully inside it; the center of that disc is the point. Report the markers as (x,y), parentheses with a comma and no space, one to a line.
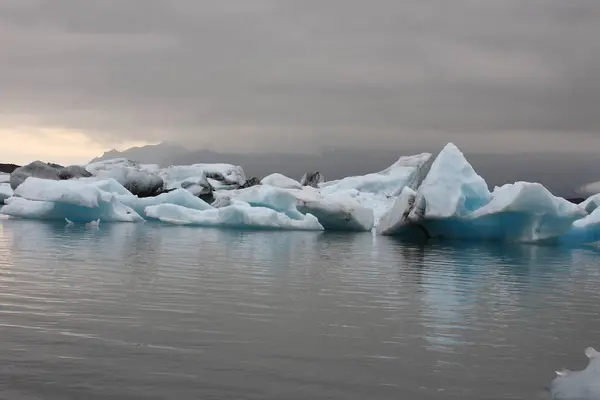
(154,312)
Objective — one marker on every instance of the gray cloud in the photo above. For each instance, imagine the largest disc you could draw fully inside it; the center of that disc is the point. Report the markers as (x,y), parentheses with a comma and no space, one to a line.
(305,73)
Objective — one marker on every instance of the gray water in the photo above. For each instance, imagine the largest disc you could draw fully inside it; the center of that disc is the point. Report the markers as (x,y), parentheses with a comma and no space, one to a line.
(144,311)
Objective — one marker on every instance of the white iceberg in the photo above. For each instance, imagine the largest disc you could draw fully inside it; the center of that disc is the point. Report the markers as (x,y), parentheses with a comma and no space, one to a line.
(69,199)
(140,179)
(454,202)
(591,203)
(388,182)
(334,212)
(5,192)
(218,175)
(280,181)
(179,197)
(579,385)
(238,215)
(4,178)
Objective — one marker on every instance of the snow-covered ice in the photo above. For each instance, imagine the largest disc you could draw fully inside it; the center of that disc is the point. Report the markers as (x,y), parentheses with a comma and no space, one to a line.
(395,220)
(219,174)
(238,215)
(579,385)
(281,181)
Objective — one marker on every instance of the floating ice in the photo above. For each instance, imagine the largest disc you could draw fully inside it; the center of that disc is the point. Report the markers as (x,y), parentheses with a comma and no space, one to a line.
(70,199)
(5,192)
(4,178)
(395,221)
(179,197)
(220,174)
(334,212)
(389,182)
(579,385)
(584,230)
(454,202)
(140,179)
(39,169)
(238,215)
(281,181)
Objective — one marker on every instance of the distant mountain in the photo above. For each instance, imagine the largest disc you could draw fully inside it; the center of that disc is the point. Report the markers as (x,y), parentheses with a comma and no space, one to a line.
(8,168)
(162,154)
(562,174)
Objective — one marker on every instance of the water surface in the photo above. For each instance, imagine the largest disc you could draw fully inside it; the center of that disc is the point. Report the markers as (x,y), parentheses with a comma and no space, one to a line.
(144,311)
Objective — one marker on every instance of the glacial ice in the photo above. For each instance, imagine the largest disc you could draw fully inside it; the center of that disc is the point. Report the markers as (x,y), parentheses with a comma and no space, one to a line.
(218,175)
(388,182)
(579,385)
(438,197)
(5,192)
(139,179)
(238,215)
(69,199)
(333,212)
(4,178)
(280,181)
(454,202)
(179,197)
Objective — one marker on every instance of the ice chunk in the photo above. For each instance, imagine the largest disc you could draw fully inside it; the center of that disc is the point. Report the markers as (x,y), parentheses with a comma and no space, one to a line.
(579,385)
(39,169)
(179,197)
(238,215)
(312,179)
(4,178)
(281,181)
(140,179)
(395,220)
(75,200)
(591,203)
(5,192)
(451,188)
(108,185)
(221,174)
(335,212)
(454,202)
(271,197)
(525,212)
(388,182)
(108,211)
(584,230)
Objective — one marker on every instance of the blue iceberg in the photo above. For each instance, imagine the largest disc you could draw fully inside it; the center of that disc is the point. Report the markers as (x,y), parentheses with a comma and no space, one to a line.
(453,202)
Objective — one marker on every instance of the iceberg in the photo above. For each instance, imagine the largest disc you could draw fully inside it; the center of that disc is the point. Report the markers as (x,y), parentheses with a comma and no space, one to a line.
(453,202)
(388,182)
(312,179)
(59,200)
(579,385)
(5,192)
(4,178)
(218,175)
(394,222)
(339,212)
(140,179)
(179,197)
(281,181)
(238,215)
(39,169)
(584,230)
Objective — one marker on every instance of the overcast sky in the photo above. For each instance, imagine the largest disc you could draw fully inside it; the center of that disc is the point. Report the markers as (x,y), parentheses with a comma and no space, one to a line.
(78,77)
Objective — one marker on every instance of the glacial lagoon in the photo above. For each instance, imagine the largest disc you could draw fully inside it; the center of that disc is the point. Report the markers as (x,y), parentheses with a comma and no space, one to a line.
(159,311)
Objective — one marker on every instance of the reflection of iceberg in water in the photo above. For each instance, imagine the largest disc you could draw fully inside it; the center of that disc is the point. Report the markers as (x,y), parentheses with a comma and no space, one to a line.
(460,283)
